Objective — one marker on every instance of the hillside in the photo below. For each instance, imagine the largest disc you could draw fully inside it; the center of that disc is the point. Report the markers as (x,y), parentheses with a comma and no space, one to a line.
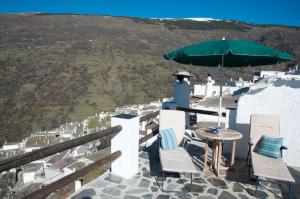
(59,68)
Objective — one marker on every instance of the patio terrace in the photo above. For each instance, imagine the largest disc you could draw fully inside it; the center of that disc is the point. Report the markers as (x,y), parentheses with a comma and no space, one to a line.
(147,182)
(147,179)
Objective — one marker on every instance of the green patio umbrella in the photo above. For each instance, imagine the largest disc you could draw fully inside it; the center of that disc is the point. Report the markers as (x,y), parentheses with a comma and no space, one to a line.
(227,53)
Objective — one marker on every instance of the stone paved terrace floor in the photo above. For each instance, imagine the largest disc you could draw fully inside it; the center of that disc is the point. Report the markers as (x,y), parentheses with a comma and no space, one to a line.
(146,184)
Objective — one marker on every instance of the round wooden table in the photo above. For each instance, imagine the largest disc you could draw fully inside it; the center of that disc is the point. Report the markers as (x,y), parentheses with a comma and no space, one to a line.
(224,134)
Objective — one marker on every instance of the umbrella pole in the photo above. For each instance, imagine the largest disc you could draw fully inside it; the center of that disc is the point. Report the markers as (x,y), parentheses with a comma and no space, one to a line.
(221,90)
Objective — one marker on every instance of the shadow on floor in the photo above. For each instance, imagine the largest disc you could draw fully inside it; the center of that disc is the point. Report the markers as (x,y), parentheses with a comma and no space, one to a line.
(155,167)
(295,188)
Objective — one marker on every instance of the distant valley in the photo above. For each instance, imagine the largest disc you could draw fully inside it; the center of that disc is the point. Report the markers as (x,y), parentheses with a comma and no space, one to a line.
(60,68)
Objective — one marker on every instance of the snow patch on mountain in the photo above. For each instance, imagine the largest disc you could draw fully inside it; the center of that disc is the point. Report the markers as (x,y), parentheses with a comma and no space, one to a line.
(192,19)
(202,19)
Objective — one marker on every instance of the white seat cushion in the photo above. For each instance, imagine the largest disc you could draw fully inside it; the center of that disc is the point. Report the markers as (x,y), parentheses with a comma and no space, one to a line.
(272,168)
(176,160)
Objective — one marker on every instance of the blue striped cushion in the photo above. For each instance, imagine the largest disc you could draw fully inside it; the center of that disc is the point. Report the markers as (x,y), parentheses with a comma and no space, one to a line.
(269,146)
(168,139)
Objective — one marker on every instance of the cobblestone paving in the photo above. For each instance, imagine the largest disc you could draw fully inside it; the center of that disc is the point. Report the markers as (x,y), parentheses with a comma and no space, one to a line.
(146,184)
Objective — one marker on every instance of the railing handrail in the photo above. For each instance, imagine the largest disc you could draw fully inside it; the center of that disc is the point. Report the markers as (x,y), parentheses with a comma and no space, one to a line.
(149,116)
(206,112)
(22,159)
(150,135)
(48,189)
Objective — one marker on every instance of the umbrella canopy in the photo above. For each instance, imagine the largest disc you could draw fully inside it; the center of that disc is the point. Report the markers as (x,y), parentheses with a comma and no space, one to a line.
(227,53)
(236,53)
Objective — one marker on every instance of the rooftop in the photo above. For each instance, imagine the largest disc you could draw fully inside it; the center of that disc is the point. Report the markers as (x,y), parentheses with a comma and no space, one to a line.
(61,164)
(76,165)
(41,140)
(32,167)
(56,157)
(147,182)
(227,102)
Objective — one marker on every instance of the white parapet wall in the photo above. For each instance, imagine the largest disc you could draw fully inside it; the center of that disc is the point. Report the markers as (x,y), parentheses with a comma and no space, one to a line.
(278,97)
(127,141)
(29,177)
(200,89)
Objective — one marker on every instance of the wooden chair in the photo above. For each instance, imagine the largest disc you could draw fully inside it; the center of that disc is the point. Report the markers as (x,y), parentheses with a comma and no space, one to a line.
(177,159)
(266,167)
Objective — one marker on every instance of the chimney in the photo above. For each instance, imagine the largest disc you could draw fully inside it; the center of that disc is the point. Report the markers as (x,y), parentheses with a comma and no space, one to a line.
(78,183)
(209,86)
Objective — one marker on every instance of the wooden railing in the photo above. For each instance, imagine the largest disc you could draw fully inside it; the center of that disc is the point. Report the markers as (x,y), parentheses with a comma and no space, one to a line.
(48,189)
(205,112)
(23,159)
(19,160)
(153,127)
(149,116)
(154,131)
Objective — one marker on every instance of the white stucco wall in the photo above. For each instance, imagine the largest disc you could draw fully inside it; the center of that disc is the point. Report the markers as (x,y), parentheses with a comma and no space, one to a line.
(127,141)
(11,146)
(282,98)
(28,177)
(200,89)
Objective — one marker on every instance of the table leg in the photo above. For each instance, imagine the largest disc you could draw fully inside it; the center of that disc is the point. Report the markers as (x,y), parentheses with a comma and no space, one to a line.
(215,154)
(219,157)
(206,154)
(233,152)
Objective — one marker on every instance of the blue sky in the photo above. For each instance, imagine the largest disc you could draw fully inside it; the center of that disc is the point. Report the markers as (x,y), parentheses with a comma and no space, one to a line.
(256,11)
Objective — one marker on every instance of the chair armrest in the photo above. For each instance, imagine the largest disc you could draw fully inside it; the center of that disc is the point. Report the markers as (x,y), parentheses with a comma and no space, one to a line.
(186,140)
(283,147)
(250,143)
(187,137)
(159,140)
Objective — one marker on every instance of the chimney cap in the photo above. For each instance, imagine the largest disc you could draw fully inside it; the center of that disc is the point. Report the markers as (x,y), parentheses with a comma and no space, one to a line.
(182,73)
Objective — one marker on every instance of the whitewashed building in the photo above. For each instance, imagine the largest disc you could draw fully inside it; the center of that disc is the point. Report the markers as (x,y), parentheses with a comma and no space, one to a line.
(30,171)
(200,90)
(275,97)
(11,146)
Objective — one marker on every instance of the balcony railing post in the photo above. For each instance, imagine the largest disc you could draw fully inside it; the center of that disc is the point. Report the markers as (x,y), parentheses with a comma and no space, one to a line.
(126,141)
(78,184)
(25,158)
(48,189)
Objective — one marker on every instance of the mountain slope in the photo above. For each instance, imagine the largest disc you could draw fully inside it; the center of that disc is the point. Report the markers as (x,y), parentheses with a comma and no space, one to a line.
(59,68)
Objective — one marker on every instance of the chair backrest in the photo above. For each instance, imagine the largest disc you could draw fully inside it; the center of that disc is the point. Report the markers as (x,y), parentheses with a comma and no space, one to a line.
(173,119)
(263,125)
